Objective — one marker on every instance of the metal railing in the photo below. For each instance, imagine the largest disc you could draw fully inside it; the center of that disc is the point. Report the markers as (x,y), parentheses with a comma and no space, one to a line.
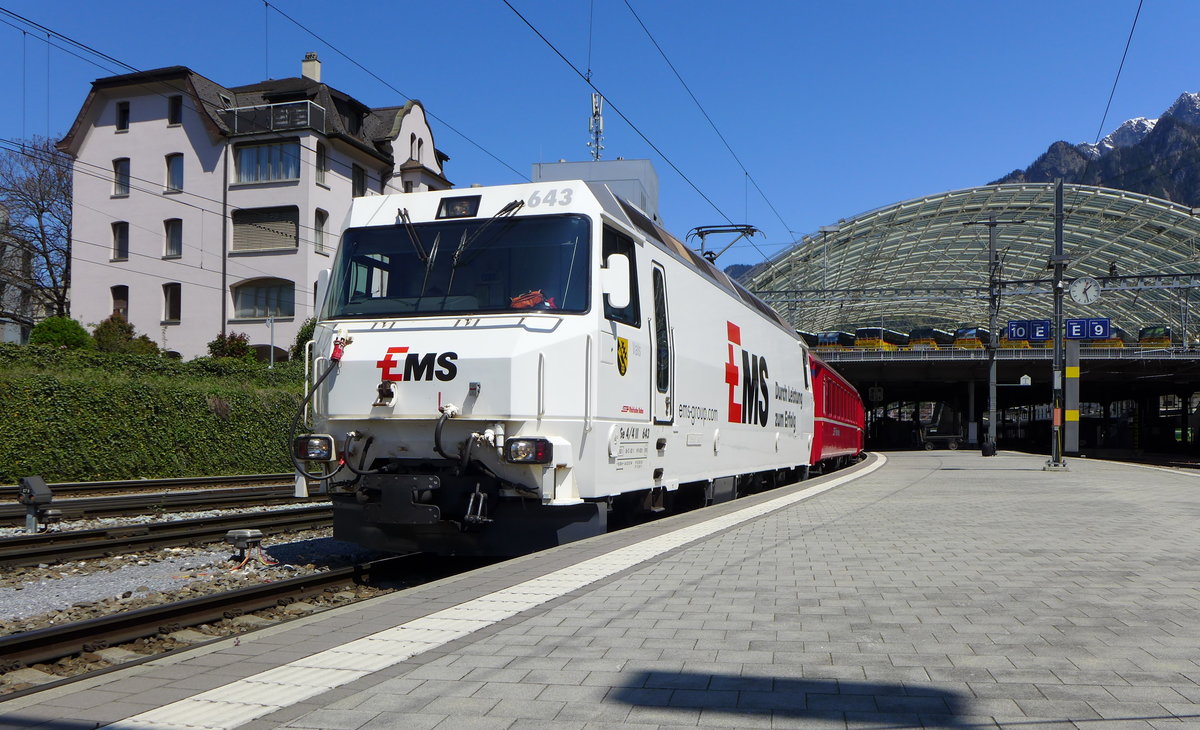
(275,117)
(857,354)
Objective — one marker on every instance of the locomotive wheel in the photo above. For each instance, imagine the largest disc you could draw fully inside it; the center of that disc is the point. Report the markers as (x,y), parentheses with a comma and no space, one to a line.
(929,446)
(953,446)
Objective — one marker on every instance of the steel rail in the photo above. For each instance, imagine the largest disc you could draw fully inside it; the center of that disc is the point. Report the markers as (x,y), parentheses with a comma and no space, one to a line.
(10,491)
(56,642)
(149,502)
(58,547)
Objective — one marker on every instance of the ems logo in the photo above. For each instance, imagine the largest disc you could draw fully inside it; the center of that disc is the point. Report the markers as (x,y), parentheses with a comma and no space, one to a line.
(622,355)
(750,379)
(417,366)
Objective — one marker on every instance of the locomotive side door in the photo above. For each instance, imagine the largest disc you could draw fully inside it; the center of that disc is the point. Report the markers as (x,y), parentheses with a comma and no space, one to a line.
(663,372)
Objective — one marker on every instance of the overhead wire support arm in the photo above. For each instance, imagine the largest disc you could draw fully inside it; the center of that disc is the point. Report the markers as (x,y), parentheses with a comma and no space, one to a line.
(742,230)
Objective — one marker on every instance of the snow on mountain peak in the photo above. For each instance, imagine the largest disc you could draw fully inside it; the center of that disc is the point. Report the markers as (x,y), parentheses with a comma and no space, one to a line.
(1186,109)
(1128,134)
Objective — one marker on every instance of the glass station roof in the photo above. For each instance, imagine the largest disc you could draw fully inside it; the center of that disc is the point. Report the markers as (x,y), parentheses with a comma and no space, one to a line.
(925,261)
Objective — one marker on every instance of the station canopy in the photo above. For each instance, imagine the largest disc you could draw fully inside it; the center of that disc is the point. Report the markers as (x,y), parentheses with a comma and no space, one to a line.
(924,262)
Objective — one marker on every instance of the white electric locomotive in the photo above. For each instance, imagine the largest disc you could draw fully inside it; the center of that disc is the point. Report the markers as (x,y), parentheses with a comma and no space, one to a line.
(498,370)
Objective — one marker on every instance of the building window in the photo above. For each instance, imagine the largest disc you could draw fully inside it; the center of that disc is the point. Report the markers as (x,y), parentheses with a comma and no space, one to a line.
(266,229)
(174,173)
(172,238)
(120,300)
(172,302)
(268,162)
(412,146)
(263,298)
(320,223)
(358,181)
(175,109)
(121,177)
(120,241)
(122,116)
(420,150)
(322,163)
(408,186)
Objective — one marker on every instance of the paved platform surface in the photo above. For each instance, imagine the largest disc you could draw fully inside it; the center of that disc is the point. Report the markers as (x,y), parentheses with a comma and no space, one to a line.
(943,589)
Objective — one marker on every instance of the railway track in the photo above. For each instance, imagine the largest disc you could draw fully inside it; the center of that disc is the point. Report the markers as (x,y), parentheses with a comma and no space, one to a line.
(142,503)
(27,550)
(55,642)
(62,489)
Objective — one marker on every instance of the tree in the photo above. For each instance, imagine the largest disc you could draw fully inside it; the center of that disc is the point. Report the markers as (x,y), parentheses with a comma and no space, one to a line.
(304,334)
(234,344)
(116,334)
(35,192)
(61,332)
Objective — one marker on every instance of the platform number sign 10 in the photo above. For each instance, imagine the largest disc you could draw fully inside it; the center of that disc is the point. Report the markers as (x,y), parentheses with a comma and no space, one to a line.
(1029,329)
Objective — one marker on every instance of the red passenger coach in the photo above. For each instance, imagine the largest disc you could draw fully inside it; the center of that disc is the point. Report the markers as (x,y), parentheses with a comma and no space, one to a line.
(839,418)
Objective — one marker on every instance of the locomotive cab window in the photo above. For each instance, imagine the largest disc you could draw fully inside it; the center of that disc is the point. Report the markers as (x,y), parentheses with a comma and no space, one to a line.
(464,266)
(616,243)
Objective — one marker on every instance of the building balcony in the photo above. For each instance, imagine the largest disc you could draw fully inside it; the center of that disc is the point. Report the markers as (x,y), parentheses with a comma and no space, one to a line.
(275,118)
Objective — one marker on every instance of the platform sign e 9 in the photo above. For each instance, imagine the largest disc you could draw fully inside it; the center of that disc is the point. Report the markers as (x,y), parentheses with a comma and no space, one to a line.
(1088,329)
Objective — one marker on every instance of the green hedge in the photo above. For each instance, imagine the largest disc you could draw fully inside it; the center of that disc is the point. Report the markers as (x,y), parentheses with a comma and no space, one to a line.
(71,415)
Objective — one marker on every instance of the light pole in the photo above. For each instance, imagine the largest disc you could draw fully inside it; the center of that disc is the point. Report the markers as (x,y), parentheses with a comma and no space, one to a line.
(271,325)
(1059,262)
(989,442)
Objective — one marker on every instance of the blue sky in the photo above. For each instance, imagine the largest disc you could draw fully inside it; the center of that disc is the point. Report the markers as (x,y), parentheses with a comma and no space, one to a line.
(833,109)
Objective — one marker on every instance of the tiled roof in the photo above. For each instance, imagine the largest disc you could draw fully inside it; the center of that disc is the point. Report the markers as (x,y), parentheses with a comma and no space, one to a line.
(378,128)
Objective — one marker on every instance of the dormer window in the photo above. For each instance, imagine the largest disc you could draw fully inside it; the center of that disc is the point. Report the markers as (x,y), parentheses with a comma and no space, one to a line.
(175,109)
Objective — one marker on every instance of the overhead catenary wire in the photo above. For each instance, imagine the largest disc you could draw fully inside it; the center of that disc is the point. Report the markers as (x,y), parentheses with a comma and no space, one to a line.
(187,95)
(708,118)
(619,113)
(1111,94)
(381,80)
(105,175)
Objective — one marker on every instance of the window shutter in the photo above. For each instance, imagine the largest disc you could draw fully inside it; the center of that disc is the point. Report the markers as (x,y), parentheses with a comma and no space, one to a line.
(265,229)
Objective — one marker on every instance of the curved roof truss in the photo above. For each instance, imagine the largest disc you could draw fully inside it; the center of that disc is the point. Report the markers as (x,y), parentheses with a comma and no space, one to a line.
(925,261)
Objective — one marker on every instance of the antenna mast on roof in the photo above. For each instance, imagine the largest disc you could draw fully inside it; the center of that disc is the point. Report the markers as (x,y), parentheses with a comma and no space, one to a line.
(596,127)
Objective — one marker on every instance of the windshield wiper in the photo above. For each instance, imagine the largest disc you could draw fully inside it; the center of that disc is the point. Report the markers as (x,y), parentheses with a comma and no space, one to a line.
(508,210)
(414,237)
(429,263)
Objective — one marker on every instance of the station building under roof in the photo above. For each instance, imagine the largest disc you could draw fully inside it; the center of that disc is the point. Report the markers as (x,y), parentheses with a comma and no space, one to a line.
(926,263)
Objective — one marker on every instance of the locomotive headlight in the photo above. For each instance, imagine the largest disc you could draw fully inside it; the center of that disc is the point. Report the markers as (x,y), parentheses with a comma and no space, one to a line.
(528,451)
(314,447)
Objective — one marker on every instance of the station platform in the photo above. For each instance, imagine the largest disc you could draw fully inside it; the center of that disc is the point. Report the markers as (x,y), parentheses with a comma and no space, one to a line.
(916,589)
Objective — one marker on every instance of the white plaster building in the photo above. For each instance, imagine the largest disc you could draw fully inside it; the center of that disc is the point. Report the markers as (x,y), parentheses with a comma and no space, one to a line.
(16,302)
(200,209)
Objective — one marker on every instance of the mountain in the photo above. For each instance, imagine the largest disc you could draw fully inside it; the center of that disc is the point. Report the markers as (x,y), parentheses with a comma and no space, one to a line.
(736,270)
(1159,157)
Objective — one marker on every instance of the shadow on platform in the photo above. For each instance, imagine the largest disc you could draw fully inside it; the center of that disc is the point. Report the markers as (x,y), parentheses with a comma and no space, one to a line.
(817,700)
